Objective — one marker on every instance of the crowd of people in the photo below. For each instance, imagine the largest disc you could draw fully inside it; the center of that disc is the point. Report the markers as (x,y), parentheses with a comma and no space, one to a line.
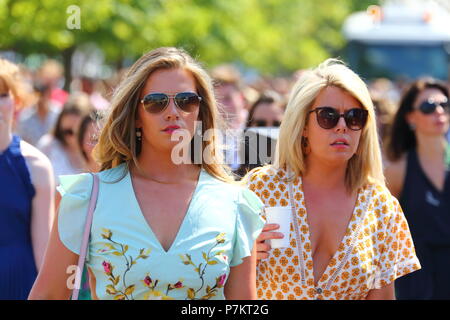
(369,193)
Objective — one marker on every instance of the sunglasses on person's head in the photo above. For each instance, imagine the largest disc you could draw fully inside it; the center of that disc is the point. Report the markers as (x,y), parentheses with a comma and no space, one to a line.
(157,102)
(67,132)
(328,117)
(428,107)
(264,123)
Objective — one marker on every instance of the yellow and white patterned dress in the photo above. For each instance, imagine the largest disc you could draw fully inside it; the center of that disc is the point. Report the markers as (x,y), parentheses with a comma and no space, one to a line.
(376,249)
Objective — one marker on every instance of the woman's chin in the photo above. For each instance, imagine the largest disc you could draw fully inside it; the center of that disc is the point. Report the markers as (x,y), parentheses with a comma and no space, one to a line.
(438,130)
(335,158)
(176,150)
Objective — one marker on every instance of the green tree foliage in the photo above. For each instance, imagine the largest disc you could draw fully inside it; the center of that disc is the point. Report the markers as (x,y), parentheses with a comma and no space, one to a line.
(272,36)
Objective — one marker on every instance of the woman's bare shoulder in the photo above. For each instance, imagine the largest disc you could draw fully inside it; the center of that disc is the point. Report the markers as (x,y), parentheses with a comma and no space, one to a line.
(395,168)
(263,173)
(394,172)
(39,165)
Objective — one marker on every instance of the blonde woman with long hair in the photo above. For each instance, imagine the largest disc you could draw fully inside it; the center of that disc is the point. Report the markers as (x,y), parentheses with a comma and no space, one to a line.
(349,238)
(161,229)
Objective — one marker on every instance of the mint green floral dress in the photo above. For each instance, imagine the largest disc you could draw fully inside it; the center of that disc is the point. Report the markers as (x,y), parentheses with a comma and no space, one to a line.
(127,260)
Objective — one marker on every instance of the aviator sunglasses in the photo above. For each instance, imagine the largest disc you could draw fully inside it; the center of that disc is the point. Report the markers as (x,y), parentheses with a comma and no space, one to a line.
(158,102)
(428,107)
(328,117)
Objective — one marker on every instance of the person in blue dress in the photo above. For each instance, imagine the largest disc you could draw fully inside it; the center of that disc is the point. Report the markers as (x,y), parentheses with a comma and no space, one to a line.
(170,222)
(26,197)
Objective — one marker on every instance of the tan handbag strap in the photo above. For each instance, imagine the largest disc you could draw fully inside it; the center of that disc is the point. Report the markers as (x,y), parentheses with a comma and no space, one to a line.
(86,234)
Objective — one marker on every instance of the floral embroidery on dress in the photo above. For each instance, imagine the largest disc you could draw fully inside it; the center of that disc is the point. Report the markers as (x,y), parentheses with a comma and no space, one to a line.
(108,268)
(157,294)
(201,269)
(154,293)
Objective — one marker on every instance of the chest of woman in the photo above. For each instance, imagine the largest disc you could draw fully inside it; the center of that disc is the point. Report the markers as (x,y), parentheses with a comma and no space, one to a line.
(164,210)
(328,258)
(425,201)
(328,221)
(347,273)
(129,262)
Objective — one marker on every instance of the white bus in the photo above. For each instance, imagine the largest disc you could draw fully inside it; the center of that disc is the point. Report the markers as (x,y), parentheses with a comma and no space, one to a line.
(402,39)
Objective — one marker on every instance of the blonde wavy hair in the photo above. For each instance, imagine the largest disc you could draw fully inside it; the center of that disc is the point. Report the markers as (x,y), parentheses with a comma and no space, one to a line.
(366,165)
(117,141)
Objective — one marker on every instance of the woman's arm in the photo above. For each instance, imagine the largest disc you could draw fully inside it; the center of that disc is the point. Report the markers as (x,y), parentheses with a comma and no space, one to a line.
(241,282)
(57,272)
(385,293)
(42,212)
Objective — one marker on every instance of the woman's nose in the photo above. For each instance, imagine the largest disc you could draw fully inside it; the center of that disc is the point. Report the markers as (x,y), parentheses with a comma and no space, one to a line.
(341,125)
(172,111)
(440,109)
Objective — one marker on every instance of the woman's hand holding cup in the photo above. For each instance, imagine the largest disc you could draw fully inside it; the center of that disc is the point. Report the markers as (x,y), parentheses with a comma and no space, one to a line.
(277,218)
(262,246)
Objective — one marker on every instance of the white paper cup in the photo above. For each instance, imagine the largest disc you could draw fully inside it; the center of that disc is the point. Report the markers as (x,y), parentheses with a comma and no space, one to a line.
(282,217)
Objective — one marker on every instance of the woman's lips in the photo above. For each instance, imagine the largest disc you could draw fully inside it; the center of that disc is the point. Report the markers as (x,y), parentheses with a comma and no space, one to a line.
(441,121)
(170,129)
(340,144)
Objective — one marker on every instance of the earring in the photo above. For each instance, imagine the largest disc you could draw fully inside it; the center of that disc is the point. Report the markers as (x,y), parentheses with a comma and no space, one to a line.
(305,145)
(412,126)
(138,140)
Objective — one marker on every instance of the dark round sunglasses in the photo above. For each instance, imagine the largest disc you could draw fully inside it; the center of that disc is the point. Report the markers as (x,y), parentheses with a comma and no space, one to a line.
(328,117)
(428,107)
(158,102)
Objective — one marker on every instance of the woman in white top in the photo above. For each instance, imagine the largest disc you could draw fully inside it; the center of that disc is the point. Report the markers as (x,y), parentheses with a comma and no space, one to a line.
(61,146)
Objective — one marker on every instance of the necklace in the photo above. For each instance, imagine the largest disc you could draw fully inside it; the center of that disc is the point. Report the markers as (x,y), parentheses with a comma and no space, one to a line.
(155,180)
(145,176)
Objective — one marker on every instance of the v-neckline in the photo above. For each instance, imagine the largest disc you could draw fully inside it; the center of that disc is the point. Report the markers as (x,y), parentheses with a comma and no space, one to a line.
(349,233)
(141,216)
(428,180)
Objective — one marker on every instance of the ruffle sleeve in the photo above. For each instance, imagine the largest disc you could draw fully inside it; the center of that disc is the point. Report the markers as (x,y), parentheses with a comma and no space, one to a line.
(398,257)
(249,224)
(75,191)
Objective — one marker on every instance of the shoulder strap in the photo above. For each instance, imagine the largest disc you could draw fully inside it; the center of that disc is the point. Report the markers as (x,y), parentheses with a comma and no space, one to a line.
(85,240)
(14,146)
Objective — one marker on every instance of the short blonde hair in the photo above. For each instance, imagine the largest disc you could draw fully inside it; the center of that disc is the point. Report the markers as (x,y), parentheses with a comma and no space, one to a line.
(117,142)
(366,165)
(11,76)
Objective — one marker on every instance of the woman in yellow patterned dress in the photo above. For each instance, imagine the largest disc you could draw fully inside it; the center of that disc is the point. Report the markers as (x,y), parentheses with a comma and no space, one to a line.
(348,236)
